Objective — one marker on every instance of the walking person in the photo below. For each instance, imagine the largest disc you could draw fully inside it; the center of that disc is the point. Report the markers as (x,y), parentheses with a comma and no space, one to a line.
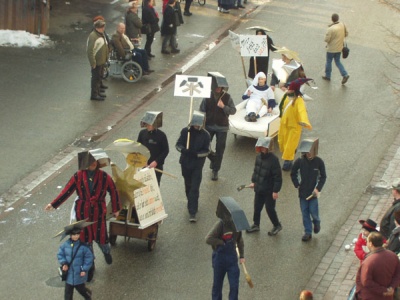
(294,117)
(266,182)
(218,108)
(91,185)
(193,156)
(169,29)
(227,243)
(150,16)
(309,177)
(379,275)
(387,223)
(97,52)
(76,259)
(155,140)
(334,39)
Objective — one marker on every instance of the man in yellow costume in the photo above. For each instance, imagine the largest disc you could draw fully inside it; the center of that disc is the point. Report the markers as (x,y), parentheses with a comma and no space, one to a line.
(294,117)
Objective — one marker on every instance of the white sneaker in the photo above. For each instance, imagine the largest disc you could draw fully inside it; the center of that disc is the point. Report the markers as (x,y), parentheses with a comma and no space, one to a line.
(225,11)
(219,8)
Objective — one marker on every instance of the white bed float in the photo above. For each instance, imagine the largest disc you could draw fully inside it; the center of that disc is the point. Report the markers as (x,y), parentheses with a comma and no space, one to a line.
(267,125)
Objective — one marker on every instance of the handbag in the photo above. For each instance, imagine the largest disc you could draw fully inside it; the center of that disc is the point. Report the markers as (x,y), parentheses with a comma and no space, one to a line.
(63,274)
(146,28)
(345,51)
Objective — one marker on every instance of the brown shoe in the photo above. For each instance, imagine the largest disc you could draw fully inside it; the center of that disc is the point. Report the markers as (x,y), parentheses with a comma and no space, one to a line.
(345,78)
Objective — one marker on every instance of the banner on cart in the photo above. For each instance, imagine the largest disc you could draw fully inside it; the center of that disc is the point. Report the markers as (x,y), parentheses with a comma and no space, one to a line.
(253,45)
(192,86)
(148,202)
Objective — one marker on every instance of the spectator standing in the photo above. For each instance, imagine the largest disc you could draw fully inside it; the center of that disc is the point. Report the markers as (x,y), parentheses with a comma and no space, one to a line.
(217,109)
(266,182)
(150,16)
(155,140)
(379,275)
(186,11)
(193,156)
(97,52)
(393,243)
(387,223)
(309,177)
(360,248)
(169,29)
(334,39)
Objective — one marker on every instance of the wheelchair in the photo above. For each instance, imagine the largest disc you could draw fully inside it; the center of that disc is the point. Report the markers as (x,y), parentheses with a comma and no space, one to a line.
(126,68)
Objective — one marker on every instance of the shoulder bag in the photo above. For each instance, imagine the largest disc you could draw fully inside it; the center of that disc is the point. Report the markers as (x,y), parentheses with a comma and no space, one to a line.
(345,50)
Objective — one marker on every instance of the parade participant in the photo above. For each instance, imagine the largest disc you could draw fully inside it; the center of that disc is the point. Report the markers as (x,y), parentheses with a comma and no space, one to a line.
(122,44)
(155,140)
(379,275)
(286,70)
(192,159)
(261,98)
(169,29)
(91,185)
(76,263)
(266,182)
(387,223)
(334,39)
(218,108)
(97,52)
(224,239)
(311,170)
(360,247)
(294,116)
(262,62)
(150,16)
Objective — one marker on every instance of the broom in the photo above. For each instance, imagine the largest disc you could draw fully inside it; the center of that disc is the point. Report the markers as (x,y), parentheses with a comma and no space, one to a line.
(248,278)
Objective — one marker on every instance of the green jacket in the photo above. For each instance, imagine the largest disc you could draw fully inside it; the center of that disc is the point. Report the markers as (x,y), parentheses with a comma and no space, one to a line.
(97,48)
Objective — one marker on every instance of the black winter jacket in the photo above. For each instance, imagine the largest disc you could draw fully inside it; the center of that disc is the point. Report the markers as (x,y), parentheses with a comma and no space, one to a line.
(157,143)
(199,147)
(387,224)
(312,175)
(267,175)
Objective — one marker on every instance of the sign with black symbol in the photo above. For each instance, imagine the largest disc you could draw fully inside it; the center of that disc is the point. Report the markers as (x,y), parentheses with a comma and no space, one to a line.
(192,86)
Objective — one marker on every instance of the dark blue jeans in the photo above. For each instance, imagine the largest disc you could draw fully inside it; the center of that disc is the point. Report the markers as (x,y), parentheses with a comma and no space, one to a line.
(192,179)
(309,209)
(328,66)
(224,260)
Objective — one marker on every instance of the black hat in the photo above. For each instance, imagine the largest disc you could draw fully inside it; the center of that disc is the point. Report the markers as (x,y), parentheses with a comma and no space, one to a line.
(368,225)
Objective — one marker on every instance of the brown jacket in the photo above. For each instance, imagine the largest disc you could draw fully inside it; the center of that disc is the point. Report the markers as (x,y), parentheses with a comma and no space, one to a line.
(335,37)
(121,43)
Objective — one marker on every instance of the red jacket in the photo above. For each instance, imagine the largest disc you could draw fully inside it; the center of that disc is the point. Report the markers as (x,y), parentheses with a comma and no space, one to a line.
(358,247)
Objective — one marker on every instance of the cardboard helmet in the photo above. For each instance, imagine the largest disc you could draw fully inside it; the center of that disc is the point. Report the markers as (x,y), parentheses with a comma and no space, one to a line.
(264,142)
(198,119)
(86,158)
(218,80)
(153,118)
(309,145)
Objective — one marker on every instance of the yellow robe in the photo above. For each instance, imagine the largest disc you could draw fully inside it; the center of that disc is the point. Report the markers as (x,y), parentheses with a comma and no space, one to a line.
(294,117)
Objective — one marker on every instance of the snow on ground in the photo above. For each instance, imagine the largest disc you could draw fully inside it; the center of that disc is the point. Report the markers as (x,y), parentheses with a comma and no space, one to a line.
(20,38)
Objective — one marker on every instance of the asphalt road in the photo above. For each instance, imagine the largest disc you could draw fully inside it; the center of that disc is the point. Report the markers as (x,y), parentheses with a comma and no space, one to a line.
(355,123)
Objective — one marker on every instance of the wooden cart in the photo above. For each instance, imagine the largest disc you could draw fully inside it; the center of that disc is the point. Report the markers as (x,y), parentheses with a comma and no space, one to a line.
(133,230)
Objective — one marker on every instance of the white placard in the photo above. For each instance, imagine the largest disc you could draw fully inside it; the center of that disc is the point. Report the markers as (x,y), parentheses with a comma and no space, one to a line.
(148,202)
(235,40)
(253,45)
(192,86)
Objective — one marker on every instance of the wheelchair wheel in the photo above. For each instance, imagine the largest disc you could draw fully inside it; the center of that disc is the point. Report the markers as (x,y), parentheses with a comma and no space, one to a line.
(131,71)
(201,2)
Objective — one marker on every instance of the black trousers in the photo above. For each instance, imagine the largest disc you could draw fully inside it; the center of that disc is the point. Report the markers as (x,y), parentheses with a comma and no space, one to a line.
(259,201)
(81,288)
(187,5)
(219,148)
(149,42)
(96,80)
(192,179)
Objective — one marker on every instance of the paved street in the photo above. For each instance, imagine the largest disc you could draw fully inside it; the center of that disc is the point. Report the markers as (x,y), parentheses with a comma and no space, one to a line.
(356,124)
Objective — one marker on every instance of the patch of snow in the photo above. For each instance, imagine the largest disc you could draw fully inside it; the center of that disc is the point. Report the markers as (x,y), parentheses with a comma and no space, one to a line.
(20,38)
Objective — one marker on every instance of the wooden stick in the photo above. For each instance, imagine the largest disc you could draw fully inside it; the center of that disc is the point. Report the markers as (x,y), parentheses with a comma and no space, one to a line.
(246,274)
(166,173)
(241,187)
(190,119)
(244,71)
